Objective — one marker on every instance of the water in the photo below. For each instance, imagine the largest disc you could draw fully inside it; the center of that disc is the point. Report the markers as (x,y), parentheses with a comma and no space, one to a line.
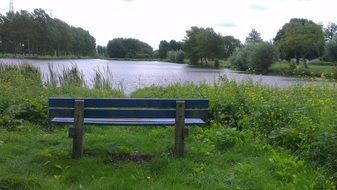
(131,75)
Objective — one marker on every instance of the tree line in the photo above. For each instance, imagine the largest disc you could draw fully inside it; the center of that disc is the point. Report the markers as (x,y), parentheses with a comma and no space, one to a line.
(36,33)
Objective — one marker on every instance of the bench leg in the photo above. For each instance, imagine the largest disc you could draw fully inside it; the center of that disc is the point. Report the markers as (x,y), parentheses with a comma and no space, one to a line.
(179,129)
(78,131)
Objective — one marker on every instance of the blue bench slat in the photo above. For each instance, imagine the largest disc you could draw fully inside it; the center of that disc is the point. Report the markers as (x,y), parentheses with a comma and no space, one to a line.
(126,121)
(136,113)
(125,103)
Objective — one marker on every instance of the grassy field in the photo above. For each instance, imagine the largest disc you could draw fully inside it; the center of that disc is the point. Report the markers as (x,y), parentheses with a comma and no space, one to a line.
(256,138)
(315,70)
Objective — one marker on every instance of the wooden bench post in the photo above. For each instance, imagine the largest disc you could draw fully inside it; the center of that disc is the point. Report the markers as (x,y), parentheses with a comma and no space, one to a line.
(78,131)
(179,129)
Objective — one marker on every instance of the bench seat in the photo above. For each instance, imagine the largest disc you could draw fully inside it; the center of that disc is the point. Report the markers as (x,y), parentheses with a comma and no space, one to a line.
(128,121)
(127,112)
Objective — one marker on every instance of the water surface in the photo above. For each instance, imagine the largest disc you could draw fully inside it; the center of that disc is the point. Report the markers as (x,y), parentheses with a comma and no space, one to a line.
(132,75)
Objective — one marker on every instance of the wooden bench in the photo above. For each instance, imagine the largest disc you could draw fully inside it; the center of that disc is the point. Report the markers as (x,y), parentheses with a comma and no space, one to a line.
(127,112)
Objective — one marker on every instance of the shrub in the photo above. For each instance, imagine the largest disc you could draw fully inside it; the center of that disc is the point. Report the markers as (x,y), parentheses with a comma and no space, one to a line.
(261,56)
(330,52)
(239,59)
(176,56)
(255,56)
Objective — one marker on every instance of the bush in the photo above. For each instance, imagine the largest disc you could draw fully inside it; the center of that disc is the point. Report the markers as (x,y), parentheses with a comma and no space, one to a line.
(330,52)
(261,56)
(239,59)
(255,56)
(176,56)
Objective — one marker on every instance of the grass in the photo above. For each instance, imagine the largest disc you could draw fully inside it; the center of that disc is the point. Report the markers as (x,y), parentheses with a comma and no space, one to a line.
(286,69)
(35,159)
(257,138)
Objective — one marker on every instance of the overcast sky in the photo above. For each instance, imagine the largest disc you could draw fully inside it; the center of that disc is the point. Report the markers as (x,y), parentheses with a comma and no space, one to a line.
(154,20)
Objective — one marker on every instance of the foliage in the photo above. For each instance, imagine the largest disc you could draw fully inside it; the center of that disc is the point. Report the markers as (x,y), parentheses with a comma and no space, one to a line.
(256,57)
(324,70)
(128,48)
(231,44)
(202,44)
(165,47)
(23,96)
(176,56)
(300,38)
(330,53)
(253,37)
(330,31)
(301,119)
(102,51)
(261,57)
(39,34)
(240,59)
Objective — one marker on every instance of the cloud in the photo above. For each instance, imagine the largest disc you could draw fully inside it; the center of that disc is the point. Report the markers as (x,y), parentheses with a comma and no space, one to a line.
(226,24)
(257,7)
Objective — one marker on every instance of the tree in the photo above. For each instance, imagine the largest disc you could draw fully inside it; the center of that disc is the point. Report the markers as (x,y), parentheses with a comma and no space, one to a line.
(164,47)
(330,31)
(129,48)
(38,33)
(255,56)
(101,51)
(253,37)
(231,44)
(203,44)
(330,53)
(300,38)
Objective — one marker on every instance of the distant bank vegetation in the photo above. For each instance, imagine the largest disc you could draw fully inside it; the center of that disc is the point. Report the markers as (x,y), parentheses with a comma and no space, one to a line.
(37,33)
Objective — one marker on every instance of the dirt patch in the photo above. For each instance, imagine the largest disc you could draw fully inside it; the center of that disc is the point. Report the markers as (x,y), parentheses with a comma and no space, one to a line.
(131,157)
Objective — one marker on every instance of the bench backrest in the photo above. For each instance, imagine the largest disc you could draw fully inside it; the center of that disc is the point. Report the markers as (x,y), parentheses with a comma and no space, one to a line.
(127,108)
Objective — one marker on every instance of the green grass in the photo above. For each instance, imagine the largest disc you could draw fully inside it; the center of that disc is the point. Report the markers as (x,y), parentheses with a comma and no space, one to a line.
(257,138)
(34,159)
(285,69)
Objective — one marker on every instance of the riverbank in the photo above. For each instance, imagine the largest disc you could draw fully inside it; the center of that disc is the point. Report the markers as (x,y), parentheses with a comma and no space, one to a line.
(256,138)
(324,70)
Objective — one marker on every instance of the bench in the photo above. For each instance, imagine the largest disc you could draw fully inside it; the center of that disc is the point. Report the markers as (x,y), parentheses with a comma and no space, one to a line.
(127,112)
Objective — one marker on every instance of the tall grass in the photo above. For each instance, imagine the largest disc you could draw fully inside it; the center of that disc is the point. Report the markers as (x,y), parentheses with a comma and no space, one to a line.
(300,119)
(23,95)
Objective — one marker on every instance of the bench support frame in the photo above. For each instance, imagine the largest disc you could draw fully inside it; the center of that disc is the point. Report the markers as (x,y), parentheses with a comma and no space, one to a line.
(179,129)
(78,130)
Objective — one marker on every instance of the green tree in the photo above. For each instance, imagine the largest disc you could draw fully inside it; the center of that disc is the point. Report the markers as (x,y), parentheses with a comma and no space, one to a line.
(330,31)
(330,53)
(253,37)
(230,45)
(101,51)
(203,44)
(300,38)
(38,33)
(164,47)
(254,56)
(129,48)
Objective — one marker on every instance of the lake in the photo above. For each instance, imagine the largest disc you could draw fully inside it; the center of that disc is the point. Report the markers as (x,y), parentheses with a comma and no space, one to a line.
(132,75)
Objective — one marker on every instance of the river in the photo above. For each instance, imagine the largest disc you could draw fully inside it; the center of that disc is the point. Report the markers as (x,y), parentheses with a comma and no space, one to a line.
(132,75)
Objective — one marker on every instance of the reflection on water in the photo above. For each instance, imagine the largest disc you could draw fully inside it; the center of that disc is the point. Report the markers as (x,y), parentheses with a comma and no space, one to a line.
(131,75)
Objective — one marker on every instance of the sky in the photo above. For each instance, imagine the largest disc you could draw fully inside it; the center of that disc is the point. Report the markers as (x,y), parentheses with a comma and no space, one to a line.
(154,20)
